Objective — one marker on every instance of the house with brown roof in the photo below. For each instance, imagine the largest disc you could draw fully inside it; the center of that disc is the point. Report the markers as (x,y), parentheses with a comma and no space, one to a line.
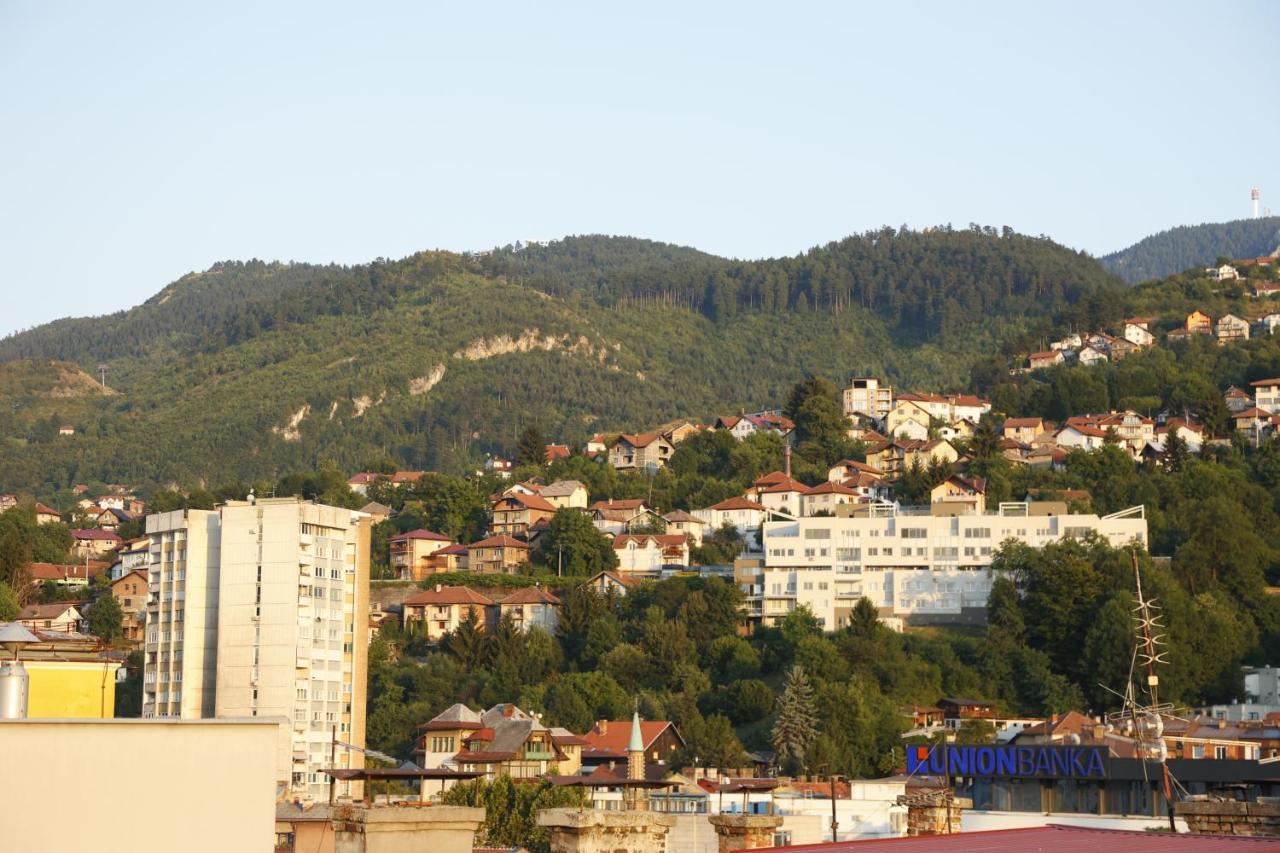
(1047,358)
(961,490)
(60,616)
(647,451)
(515,514)
(1253,421)
(502,741)
(612,583)
(530,607)
(66,574)
(677,431)
(1023,430)
(608,741)
(441,609)
(130,592)
(646,554)
(1266,393)
(1237,400)
(411,552)
(47,514)
(497,555)
(679,521)
(741,426)
(557,451)
(783,496)
(926,453)
(846,468)
(825,497)
(111,519)
(93,542)
(619,516)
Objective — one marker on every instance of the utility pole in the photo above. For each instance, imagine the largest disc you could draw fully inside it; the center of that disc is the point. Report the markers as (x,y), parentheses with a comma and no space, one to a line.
(835,824)
(333,763)
(102,370)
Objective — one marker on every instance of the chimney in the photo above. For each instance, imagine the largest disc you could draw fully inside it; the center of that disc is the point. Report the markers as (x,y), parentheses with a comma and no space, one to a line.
(439,588)
(786,459)
(602,727)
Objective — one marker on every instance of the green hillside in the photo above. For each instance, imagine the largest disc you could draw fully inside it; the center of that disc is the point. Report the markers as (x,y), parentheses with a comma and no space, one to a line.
(253,370)
(1188,246)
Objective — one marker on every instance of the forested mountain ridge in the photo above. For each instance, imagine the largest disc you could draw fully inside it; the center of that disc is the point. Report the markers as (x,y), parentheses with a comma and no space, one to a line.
(253,369)
(1188,246)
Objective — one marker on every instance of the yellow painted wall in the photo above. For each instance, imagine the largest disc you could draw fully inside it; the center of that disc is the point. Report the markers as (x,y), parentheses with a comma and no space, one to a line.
(64,689)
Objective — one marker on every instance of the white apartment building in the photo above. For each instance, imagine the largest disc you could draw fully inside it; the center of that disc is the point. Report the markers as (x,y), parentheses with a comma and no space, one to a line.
(181,632)
(867,398)
(293,597)
(910,562)
(280,592)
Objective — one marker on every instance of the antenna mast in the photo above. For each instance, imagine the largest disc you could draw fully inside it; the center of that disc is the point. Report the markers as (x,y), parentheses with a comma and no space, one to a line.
(1144,721)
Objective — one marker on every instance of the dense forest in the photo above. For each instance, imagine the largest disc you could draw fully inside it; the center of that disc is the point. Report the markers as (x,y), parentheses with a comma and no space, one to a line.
(1190,246)
(252,370)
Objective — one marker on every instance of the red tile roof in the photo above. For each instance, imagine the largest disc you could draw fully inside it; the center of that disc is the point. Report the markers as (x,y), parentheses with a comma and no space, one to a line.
(63,571)
(100,535)
(770,479)
(785,485)
(617,735)
(557,451)
(420,533)
(499,542)
(1052,838)
(45,509)
(629,503)
(530,595)
(832,488)
(446,595)
(737,503)
(528,501)
(1021,423)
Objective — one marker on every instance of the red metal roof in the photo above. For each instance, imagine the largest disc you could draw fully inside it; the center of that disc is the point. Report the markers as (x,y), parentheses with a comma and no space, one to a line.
(1053,838)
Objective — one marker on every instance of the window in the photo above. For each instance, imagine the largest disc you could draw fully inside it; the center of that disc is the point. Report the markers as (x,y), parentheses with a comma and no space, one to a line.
(1220,752)
(914,533)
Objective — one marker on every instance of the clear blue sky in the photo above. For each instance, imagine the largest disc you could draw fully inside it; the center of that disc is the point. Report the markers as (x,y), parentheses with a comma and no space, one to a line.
(141,141)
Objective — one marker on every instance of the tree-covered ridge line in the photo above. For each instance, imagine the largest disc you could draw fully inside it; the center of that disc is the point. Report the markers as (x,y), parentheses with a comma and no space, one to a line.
(1187,246)
(920,283)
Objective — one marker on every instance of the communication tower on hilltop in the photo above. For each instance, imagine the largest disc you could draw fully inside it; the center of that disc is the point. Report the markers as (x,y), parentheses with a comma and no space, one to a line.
(1256,195)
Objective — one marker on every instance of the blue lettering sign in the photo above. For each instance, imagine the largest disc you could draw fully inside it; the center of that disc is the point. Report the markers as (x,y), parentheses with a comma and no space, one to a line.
(1028,762)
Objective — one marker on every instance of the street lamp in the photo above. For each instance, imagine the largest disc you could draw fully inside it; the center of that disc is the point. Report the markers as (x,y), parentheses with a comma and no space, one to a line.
(14,684)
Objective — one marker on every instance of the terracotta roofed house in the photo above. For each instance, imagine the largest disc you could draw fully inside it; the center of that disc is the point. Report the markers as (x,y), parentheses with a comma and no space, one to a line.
(608,741)
(679,521)
(93,543)
(530,607)
(442,609)
(740,513)
(501,555)
(1266,394)
(46,514)
(647,451)
(516,514)
(410,553)
(646,554)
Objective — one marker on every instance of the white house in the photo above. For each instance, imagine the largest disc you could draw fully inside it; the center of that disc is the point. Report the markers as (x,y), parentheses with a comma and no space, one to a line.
(1266,395)
(783,496)
(740,513)
(1136,332)
(1226,272)
(910,428)
(1089,438)
(825,497)
(1091,355)
(646,554)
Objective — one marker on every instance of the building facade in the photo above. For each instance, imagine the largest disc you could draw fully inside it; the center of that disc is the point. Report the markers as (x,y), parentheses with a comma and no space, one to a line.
(259,609)
(919,563)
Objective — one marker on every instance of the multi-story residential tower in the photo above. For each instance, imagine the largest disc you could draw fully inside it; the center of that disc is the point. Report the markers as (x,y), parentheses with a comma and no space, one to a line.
(257,610)
(181,628)
(293,596)
(867,398)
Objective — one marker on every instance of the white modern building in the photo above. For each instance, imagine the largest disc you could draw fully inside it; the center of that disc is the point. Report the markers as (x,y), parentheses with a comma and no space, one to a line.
(922,564)
(262,604)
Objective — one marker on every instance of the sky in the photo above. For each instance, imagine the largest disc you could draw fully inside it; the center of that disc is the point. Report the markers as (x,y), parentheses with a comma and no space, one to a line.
(142,141)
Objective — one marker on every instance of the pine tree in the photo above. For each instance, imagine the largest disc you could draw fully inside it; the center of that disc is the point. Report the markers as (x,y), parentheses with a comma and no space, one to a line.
(467,642)
(796,727)
(532,447)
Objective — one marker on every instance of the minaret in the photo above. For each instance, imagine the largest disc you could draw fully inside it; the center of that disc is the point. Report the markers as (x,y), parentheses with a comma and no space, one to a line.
(635,763)
(635,750)
(1255,195)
